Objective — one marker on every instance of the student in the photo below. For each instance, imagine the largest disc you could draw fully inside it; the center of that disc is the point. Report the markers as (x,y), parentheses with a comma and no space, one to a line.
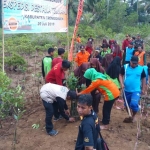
(113,71)
(47,62)
(89,128)
(89,47)
(54,101)
(129,53)
(107,88)
(97,55)
(82,56)
(58,59)
(57,74)
(133,82)
(90,39)
(141,55)
(104,51)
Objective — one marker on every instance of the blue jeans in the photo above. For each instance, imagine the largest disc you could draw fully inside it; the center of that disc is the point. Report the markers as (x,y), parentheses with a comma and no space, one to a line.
(49,114)
(133,99)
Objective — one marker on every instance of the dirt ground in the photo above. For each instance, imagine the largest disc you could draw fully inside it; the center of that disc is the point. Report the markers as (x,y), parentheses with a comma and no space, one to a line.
(121,136)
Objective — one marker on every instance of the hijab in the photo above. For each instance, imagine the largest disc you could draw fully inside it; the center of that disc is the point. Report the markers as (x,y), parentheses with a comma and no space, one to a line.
(114,68)
(92,74)
(79,72)
(98,65)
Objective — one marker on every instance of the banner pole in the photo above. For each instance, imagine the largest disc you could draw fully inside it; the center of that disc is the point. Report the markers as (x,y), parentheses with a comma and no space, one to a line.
(67,26)
(3,35)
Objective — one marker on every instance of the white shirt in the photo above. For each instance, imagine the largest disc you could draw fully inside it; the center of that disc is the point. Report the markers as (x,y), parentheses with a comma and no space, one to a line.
(50,91)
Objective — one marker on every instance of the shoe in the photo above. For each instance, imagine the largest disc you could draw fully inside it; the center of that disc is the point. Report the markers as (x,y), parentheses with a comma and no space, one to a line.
(53,132)
(56,119)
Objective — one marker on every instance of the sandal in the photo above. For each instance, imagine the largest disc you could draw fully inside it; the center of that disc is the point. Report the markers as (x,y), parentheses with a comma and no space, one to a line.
(116,107)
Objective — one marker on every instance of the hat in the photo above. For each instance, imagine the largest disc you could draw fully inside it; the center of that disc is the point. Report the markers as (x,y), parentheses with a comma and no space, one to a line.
(134,59)
(97,49)
(72,94)
(82,47)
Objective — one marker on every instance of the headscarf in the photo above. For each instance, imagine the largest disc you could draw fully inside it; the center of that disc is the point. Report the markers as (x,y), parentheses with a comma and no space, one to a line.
(92,74)
(104,42)
(98,65)
(89,44)
(107,60)
(114,68)
(79,72)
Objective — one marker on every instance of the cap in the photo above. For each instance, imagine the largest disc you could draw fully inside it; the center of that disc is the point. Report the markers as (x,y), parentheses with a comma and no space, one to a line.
(72,94)
(82,47)
(134,59)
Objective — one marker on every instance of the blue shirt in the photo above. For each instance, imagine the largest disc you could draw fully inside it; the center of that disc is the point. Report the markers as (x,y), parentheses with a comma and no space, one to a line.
(129,53)
(88,132)
(132,78)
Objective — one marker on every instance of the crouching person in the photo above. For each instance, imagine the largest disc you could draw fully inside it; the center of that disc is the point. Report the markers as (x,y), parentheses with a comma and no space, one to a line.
(89,127)
(54,100)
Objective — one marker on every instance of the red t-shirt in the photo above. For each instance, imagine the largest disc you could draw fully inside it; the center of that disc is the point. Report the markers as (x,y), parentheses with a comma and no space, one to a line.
(125,44)
(56,61)
(56,75)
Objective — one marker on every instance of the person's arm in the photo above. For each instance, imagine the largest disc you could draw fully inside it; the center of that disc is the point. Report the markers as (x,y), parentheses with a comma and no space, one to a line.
(43,73)
(88,134)
(121,76)
(144,59)
(90,88)
(76,59)
(61,105)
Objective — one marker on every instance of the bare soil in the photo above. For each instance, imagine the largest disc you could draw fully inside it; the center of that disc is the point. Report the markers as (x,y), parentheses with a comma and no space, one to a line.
(122,136)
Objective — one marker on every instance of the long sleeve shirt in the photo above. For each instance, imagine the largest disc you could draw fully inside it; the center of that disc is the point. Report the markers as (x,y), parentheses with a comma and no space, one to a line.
(56,75)
(108,89)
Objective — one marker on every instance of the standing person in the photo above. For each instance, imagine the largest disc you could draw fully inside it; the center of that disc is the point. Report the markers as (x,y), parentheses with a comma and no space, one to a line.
(58,59)
(140,53)
(54,101)
(113,71)
(47,62)
(138,42)
(107,60)
(78,42)
(97,55)
(125,44)
(90,39)
(130,80)
(89,128)
(89,47)
(79,72)
(129,53)
(104,42)
(82,56)
(104,51)
(57,74)
(117,51)
(107,88)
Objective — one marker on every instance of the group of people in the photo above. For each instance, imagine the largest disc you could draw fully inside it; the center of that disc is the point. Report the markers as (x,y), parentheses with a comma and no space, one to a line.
(104,76)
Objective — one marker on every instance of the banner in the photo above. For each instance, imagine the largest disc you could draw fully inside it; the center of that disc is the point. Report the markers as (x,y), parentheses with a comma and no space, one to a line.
(35,16)
(80,10)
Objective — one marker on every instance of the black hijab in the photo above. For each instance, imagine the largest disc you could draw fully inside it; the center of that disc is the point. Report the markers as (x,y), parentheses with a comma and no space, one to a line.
(114,68)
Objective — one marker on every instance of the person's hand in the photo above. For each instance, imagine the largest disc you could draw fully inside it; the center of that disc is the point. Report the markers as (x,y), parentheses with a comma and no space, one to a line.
(77,92)
(67,112)
(71,119)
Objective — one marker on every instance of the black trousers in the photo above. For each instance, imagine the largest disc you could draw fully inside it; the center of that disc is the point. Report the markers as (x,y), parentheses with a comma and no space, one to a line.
(96,100)
(49,114)
(107,111)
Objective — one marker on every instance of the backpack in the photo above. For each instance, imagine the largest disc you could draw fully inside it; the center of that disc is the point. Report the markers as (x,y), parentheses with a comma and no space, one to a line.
(101,144)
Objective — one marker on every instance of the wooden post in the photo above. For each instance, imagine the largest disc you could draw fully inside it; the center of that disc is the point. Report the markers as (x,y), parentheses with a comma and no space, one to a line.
(3,36)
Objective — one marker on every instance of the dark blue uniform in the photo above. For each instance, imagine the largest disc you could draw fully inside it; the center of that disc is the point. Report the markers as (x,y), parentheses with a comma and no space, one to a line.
(88,132)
